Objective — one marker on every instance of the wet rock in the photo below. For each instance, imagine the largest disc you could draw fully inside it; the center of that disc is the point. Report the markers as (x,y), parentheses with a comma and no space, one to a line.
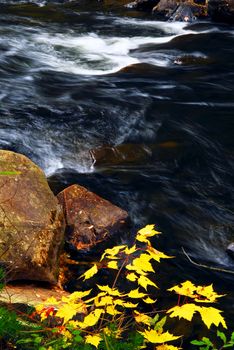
(143,5)
(183,10)
(120,155)
(187,13)
(188,60)
(230,250)
(31,221)
(221,10)
(90,219)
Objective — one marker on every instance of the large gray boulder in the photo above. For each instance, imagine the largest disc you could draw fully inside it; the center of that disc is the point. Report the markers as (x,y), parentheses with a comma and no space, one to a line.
(31,221)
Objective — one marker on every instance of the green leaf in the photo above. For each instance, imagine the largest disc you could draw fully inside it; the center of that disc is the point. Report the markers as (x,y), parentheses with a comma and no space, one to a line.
(197,342)
(207,341)
(222,336)
(159,325)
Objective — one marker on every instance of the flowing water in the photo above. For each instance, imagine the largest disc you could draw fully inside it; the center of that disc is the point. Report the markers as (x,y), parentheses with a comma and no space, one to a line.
(75,77)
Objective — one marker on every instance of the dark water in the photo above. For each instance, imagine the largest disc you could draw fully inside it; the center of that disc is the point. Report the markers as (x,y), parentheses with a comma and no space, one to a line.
(65,89)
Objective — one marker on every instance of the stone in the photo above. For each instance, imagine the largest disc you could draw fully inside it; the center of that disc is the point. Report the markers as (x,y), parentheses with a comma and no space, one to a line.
(143,5)
(123,154)
(30,294)
(90,219)
(31,221)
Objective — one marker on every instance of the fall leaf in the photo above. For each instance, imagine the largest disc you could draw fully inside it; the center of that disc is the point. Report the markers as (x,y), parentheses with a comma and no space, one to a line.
(78,295)
(187,288)
(112,252)
(148,300)
(111,310)
(90,273)
(112,265)
(68,311)
(91,319)
(134,294)
(131,277)
(155,337)
(141,265)
(167,347)
(144,282)
(93,339)
(105,300)
(156,254)
(142,318)
(130,305)
(211,315)
(207,294)
(185,311)
(110,291)
(131,250)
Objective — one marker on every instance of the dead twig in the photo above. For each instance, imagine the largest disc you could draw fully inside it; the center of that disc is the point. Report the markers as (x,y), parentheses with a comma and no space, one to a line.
(206,266)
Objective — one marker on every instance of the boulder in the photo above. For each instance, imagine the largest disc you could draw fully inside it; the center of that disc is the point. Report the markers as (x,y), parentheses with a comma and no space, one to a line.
(90,219)
(31,221)
(182,10)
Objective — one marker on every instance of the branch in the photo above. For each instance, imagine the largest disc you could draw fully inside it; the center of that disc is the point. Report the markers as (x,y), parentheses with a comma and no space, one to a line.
(206,266)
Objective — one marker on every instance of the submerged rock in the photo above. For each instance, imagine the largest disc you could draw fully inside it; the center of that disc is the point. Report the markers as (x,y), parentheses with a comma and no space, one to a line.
(31,221)
(90,219)
(120,155)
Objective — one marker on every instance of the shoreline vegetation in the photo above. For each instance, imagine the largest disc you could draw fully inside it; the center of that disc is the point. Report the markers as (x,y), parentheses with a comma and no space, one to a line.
(120,311)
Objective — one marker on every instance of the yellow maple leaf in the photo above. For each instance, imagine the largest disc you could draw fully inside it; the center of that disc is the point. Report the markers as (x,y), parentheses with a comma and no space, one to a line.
(130,305)
(148,231)
(131,250)
(185,311)
(105,300)
(186,288)
(113,265)
(90,273)
(142,318)
(155,337)
(131,277)
(110,291)
(166,347)
(145,281)
(156,254)
(91,319)
(93,339)
(111,310)
(148,300)
(68,311)
(78,295)
(112,252)
(141,265)
(211,315)
(206,294)
(135,294)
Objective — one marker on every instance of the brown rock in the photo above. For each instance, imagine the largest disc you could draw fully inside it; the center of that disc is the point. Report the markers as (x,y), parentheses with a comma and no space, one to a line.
(31,221)
(89,217)
(29,294)
(121,154)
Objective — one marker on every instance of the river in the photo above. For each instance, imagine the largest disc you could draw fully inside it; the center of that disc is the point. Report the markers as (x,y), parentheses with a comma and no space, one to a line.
(75,76)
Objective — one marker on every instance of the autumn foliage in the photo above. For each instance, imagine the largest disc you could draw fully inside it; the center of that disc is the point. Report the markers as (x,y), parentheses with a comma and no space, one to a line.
(108,313)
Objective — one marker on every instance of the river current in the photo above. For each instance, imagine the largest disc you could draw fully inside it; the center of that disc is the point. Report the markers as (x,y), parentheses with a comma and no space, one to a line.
(75,76)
